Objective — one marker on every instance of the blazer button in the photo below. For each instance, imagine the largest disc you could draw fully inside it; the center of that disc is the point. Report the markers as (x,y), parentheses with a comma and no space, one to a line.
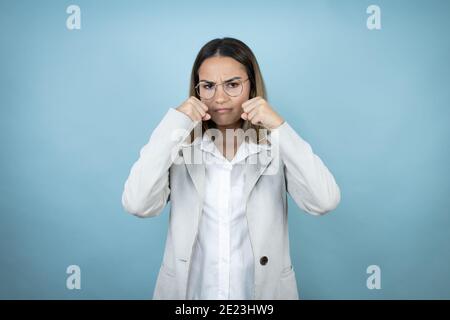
(263,260)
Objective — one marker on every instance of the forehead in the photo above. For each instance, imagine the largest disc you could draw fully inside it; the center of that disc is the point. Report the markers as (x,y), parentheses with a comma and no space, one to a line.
(221,68)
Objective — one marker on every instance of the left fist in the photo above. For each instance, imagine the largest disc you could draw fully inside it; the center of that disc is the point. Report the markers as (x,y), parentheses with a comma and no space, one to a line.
(259,112)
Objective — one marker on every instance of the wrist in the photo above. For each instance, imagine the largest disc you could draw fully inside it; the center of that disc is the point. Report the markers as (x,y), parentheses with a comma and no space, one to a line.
(277,124)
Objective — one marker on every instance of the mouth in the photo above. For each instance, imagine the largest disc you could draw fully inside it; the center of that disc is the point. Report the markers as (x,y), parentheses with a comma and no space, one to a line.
(223,110)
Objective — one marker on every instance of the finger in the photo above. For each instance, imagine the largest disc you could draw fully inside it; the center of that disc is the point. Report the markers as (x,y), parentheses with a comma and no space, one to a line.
(196,101)
(244,115)
(199,109)
(196,113)
(203,114)
(256,120)
(247,103)
(250,101)
(247,108)
(252,113)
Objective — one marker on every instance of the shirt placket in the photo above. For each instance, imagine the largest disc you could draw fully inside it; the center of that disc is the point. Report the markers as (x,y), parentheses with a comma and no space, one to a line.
(224,231)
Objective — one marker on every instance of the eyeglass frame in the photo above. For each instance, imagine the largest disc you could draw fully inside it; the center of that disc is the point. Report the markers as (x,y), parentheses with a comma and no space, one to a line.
(220,84)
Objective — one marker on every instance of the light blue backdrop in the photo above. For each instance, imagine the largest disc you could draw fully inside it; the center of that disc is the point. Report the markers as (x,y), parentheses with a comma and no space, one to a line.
(76,107)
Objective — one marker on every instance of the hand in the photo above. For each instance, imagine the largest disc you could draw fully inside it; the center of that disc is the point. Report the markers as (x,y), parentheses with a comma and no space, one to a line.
(195,109)
(259,112)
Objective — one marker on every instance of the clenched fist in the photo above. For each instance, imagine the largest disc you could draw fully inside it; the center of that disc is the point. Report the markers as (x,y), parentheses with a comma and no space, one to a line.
(259,112)
(195,109)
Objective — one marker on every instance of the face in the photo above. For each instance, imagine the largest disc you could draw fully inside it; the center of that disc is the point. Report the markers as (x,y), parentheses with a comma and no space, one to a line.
(218,70)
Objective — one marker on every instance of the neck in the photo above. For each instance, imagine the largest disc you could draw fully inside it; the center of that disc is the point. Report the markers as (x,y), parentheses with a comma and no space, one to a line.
(234,126)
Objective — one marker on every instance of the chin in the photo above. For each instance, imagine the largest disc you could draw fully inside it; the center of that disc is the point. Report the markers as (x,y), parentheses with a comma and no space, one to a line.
(225,122)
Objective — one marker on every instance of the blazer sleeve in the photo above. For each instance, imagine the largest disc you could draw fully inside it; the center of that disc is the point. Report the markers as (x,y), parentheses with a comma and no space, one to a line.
(308,180)
(147,190)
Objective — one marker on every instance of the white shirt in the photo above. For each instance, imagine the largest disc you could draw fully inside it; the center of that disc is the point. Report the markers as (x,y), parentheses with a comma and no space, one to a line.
(222,265)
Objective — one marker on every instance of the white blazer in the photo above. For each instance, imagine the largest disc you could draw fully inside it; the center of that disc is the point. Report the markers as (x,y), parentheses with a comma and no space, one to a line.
(168,170)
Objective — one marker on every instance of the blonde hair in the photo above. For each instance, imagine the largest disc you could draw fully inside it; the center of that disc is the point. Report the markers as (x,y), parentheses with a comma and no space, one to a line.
(236,49)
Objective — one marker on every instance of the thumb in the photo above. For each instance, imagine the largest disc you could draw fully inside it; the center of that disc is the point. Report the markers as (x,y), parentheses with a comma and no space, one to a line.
(244,115)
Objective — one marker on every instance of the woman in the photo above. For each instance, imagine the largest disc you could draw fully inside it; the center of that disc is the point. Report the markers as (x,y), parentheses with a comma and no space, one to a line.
(226,160)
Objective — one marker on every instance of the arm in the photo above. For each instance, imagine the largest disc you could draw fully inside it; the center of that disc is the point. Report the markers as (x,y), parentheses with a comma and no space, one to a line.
(308,180)
(146,191)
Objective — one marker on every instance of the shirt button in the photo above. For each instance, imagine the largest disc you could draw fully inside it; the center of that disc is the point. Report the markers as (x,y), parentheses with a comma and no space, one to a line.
(263,260)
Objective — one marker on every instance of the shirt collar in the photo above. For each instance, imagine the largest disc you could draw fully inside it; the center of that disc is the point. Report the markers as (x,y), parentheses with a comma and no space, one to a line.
(246,148)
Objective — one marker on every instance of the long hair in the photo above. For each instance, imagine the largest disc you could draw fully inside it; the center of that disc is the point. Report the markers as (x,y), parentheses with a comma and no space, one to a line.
(239,51)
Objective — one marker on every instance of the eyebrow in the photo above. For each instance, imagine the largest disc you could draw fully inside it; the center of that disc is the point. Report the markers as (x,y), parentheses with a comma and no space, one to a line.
(212,82)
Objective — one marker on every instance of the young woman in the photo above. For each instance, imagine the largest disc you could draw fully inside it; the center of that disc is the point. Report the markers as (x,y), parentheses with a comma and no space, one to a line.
(226,160)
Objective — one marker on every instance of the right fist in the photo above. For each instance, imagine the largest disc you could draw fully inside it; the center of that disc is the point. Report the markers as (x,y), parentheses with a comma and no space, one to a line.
(195,109)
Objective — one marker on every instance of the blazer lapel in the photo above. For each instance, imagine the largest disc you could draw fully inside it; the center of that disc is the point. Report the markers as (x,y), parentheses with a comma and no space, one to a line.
(196,167)
(255,166)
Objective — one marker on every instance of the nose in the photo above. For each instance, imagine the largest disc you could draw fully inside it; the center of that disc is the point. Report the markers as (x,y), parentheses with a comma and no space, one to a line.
(221,96)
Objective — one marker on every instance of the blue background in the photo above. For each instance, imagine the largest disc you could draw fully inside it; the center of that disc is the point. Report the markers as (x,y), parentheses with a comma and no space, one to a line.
(76,107)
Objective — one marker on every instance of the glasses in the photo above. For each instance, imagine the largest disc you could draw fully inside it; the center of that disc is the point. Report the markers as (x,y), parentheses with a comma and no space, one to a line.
(233,87)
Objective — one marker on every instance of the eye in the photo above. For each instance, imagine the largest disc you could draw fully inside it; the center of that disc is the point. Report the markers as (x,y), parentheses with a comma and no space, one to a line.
(206,86)
(233,84)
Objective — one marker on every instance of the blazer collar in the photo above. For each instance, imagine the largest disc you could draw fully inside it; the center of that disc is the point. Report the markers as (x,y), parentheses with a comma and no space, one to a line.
(246,149)
(257,161)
